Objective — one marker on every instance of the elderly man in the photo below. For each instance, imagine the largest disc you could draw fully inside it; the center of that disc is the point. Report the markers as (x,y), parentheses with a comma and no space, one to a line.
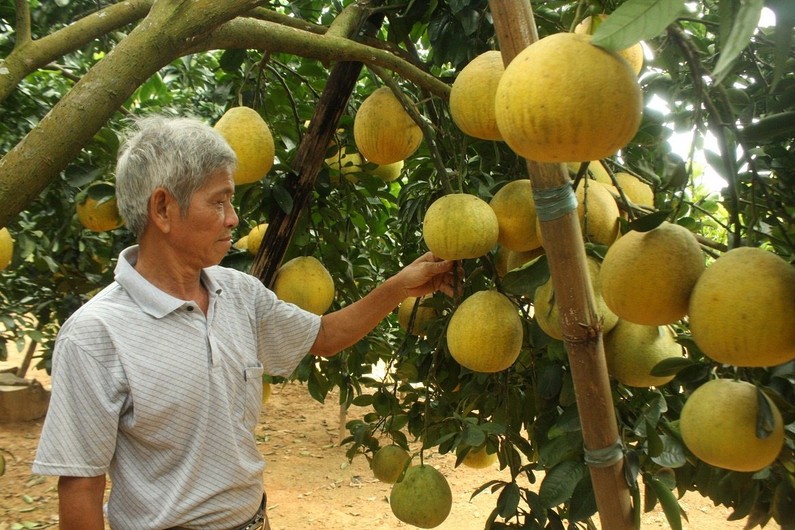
(157,379)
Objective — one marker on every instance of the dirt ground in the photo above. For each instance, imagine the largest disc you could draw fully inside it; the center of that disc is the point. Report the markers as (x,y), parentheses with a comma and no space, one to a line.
(310,482)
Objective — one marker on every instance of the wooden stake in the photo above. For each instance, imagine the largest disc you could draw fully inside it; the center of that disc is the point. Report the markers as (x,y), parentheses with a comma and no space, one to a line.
(582,330)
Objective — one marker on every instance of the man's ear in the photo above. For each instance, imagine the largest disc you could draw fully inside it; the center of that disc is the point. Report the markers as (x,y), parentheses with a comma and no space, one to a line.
(162,208)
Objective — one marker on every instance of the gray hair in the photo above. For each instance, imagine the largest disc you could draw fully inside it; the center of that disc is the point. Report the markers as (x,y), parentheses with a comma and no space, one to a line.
(177,154)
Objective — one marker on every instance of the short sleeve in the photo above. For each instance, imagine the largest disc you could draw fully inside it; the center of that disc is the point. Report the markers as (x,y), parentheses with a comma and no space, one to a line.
(285,333)
(79,433)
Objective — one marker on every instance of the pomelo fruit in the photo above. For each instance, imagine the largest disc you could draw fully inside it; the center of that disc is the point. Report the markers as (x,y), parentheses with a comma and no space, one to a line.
(460,226)
(632,350)
(472,96)
(742,309)
(251,139)
(485,332)
(563,99)
(719,425)
(383,131)
(389,462)
(422,498)
(305,282)
(647,277)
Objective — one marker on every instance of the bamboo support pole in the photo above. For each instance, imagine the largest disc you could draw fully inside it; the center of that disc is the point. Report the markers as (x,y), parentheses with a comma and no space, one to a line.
(515,27)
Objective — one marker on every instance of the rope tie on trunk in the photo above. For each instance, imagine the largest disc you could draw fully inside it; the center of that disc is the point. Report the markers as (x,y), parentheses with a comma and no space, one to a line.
(553,203)
(606,456)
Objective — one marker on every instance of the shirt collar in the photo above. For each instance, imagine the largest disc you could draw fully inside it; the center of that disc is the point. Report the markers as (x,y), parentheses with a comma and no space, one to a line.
(149,298)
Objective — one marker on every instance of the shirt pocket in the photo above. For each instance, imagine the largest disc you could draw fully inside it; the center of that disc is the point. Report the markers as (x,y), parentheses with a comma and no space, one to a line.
(252,377)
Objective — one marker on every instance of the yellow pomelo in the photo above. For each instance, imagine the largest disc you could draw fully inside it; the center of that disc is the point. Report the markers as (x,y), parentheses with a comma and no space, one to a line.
(344,163)
(563,99)
(254,238)
(479,458)
(305,282)
(637,191)
(266,392)
(596,170)
(389,172)
(242,243)
(422,498)
(382,129)
(633,55)
(98,215)
(251,140)
(647,277)
(422,318)
(472,96)
(598,213)
(718,425)
(516,216)
(389,462)
(742,309)
(632,350)
(547,314)
(485,332)
(6,248)
(460,226)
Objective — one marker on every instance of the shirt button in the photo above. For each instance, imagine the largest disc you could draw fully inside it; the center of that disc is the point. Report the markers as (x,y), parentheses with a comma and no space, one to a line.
(190,308)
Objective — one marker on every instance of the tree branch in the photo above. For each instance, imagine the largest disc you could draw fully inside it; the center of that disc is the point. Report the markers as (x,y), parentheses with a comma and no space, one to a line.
(28,55)
(22,26)
(166,34)
(276,38)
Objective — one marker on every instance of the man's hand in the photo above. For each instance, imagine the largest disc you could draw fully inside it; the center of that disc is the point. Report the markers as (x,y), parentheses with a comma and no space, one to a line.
(344,327)
(428,274)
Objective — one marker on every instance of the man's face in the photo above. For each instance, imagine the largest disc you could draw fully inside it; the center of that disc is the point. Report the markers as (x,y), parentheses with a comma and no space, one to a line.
(204,234)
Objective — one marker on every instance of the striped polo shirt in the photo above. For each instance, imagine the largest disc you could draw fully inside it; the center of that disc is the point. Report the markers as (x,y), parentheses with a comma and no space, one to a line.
(164,400)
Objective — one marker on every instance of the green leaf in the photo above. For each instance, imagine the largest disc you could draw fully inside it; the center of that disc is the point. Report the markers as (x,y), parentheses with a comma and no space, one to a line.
(493,484)
(746,20)
(317,386)
(364,400)
(559,483)
(636,507)
(583,500)
(631,468)
(672,454)
(474,436)
(670,366)
(634,21)
(101,191)
(784,504)
(283,198)
(765,422)
(670,506)
(231,60)
(526,279)
(508,501)
(653,440)
(650,221)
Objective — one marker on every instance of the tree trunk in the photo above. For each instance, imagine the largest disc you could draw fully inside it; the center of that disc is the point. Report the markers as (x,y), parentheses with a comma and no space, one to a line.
(308,160)
(582,330)
(39,157)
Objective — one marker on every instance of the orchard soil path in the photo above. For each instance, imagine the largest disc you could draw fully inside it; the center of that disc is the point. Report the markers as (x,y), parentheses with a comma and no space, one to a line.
(310,482)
